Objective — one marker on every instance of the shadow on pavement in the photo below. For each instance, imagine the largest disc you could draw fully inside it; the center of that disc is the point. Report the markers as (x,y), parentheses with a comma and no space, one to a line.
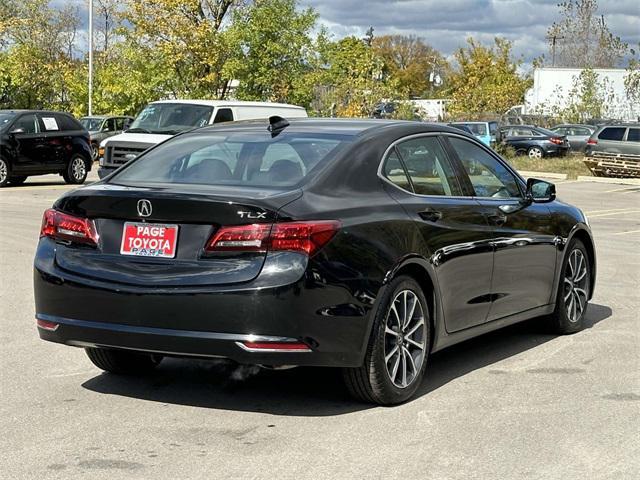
(310,391)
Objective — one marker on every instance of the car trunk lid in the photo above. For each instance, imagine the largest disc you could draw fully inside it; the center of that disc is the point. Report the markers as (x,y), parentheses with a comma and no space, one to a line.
(194,214)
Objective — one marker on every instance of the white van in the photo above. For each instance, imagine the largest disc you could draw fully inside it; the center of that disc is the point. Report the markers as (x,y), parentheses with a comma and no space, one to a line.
(160,120)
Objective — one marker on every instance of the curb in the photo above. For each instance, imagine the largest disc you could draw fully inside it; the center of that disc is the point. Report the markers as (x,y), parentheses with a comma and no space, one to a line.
(556,176)
(619,181)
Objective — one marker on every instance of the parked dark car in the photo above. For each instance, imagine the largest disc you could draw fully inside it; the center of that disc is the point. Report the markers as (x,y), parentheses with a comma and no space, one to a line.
(359,244)
(103,126)
(577,135)
(621,139)
(533,141)
(35,142)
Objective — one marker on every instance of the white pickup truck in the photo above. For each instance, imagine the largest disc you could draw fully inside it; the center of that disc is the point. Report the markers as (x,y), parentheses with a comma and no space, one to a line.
(160,120)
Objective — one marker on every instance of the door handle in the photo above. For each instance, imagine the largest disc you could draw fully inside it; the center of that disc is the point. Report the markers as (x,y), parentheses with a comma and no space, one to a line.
(498,219)
(430,215)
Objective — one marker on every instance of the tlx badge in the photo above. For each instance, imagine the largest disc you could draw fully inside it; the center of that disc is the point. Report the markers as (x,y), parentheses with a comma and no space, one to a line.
(252,215)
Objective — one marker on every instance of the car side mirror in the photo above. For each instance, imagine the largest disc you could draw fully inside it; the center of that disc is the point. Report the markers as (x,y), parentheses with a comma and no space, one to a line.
(539,191)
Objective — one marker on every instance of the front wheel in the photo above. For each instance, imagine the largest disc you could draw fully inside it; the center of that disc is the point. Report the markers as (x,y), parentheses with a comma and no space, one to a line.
(535,152)
(398,348)
(123,362)
(76,171)
(94,151)
(573,291)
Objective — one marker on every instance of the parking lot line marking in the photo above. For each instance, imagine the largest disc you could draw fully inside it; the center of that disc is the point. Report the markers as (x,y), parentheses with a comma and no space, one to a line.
(621,189)
(35,187)
(626,233)
(605,211)
(614,213)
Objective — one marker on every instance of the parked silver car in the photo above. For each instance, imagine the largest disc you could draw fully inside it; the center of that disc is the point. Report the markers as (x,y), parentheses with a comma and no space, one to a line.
(621,139)
(103,126)
(576,134)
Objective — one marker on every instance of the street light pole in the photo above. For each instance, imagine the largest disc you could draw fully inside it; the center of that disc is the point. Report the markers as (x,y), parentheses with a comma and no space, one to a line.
(90,54)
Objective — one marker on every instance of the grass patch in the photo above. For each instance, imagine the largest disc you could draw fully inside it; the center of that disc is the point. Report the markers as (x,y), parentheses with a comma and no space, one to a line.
(572,165)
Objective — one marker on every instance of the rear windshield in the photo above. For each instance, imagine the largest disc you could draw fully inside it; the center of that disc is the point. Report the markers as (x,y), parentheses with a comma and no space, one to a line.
(91,123)
(171,118)
(235,159)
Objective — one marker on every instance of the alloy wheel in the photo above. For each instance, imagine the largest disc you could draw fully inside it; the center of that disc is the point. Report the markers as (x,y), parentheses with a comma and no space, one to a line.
(575,285)
(78,169)
(404,339)
(535,152)
(94,152)
(3,171)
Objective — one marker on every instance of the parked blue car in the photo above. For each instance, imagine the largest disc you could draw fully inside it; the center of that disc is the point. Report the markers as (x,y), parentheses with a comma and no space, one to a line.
(483,131)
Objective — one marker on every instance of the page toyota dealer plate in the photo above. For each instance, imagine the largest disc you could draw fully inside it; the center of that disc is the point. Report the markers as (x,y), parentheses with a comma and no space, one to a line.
(149,240)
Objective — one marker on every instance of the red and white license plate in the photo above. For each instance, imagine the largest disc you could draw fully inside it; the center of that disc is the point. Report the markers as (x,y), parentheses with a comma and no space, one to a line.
(149,240)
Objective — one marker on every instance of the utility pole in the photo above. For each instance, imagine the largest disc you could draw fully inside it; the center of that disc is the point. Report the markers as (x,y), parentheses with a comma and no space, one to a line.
(90,54)
(553,39)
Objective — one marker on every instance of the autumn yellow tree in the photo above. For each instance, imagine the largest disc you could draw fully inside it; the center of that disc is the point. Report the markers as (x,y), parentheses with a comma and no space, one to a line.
(486,79)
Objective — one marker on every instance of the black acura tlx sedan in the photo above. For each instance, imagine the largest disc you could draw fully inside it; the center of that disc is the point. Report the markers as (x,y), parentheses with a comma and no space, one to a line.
(360,244)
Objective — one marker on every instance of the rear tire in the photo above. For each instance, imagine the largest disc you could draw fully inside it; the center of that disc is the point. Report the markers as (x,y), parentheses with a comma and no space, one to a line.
(76,171)
(573,291)
(398,348)
(535,152)
(123,362)
(4,172)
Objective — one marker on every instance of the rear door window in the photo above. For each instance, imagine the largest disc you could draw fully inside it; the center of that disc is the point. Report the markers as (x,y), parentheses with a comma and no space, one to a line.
(633,135)
(67,123)
(428,167)
(612,133)
(50,123)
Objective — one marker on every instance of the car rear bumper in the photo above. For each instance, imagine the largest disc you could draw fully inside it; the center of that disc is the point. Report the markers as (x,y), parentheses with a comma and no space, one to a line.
(207,321)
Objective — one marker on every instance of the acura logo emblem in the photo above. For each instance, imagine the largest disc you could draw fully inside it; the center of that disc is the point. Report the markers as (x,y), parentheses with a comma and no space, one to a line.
(144,208)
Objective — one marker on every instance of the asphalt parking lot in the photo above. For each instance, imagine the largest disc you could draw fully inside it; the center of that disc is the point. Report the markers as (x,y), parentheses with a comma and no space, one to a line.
(517,403)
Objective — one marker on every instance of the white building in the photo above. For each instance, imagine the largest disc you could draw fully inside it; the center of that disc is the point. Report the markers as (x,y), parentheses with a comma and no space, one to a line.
(552,88)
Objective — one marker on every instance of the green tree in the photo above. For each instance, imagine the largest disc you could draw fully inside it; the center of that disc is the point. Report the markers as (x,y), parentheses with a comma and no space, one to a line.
(632,78)
(410,61)
(272,47)
(37,54)
(486,79)
(587,99)
(352,79)
(188,36)
(582,39)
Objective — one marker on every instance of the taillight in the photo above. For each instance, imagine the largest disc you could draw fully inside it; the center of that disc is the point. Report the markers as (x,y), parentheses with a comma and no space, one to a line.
(303,237)
(556,140)
(63,226)
(592,141)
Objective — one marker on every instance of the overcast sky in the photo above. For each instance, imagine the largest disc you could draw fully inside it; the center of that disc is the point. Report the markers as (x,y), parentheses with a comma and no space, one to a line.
(445,24)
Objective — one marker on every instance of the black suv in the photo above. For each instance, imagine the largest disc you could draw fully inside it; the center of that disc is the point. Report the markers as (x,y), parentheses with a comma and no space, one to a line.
(36,142)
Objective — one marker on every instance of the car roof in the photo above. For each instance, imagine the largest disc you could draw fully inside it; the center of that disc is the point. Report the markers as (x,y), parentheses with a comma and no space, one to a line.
(230,103)
(338,126)
(19,110)
(574,125)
